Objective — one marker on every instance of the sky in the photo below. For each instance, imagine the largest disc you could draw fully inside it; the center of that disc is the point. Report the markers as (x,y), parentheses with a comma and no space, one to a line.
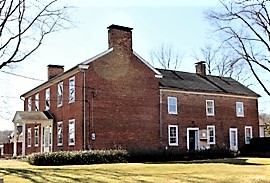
(180,23)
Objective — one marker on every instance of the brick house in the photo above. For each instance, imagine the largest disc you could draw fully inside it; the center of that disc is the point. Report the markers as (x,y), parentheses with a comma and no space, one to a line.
(117,100)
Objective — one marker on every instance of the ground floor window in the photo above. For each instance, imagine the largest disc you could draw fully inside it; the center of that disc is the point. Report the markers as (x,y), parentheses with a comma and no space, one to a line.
(233,139)
(173,135)
(29,137)
(71,130)
(248,134)
(36,136)
(60,133)
(211,134)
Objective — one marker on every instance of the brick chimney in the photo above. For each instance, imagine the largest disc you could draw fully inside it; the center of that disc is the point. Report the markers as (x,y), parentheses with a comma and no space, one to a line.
(120,37)
(200,68)
(54,70)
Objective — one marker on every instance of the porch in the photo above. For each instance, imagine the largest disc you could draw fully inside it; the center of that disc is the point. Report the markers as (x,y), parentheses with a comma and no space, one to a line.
(44,119)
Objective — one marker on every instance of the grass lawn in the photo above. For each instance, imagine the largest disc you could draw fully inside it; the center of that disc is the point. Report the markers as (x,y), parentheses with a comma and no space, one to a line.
(228,170)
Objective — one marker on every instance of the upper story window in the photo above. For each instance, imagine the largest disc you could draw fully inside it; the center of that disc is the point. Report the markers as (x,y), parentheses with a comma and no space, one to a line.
(173,135)
(37,102)
(172,105)
(47,99)
(60,133)
(72,89)
(210,108)
(60,94)
(248,134)
(239,109)
(29,103)
(71,132)
(211,134)
(36,136)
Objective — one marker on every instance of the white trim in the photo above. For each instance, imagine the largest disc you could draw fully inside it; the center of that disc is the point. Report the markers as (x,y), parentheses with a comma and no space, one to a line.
(205,93)
(238,114)
(36,128)
(232,146)
(197,145)
(172,112)
(212,106)
(62,99)
(57,139)
(37,102)
(74,128)
(29,104)
(88,61)
(74,87)
(169,135)
(47,98)
(208,134)
(251,135)
(29,137)
(159,75)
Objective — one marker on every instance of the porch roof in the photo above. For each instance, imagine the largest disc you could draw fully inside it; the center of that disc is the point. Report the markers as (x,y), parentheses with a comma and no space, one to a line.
(32,117)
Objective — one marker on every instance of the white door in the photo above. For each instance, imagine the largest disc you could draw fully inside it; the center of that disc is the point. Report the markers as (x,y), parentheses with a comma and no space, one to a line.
(233,139)
(46,138)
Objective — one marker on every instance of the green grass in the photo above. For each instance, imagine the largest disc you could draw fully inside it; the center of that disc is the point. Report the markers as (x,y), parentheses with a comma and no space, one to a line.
(226,170)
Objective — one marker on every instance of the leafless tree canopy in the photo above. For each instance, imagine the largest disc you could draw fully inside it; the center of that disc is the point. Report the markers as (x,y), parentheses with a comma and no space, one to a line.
(166,56)
(244,27)
(265,119)
(25,23)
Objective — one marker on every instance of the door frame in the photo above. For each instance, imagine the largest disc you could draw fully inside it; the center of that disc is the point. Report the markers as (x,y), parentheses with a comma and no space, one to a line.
(197,139)
(234,148)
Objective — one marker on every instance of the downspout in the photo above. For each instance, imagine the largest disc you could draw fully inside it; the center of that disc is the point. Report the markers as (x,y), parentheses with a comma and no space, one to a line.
(160,117)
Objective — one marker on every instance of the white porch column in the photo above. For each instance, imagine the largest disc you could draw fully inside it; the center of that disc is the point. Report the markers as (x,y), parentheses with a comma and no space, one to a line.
(42,137)
(15,140)
(23,140)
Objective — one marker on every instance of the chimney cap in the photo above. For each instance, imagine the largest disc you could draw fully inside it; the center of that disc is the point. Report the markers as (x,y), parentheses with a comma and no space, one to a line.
(119,27)
(200,62)
(55,66)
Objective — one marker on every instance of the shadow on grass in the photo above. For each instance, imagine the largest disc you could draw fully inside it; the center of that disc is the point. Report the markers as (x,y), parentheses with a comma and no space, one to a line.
(234,161)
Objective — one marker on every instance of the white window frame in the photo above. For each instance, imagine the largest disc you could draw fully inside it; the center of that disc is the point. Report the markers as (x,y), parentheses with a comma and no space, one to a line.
(72,90)
(176,135)
(70,132)
(60,91)
(239,106)
(58,133)
(47,99)
(233,147)
(29,140)
(29,104)
(37,102)
(209,127)
(169,105)
(36,136)
(247,138)
(197,137)
(212,105)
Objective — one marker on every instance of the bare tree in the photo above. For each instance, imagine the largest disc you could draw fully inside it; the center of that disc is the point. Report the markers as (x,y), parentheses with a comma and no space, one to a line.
(222,63)
(244,27)
(265,120)
(25,23)
(166,56)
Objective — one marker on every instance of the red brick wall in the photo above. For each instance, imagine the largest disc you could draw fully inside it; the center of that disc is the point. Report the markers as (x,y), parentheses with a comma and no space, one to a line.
(192,113)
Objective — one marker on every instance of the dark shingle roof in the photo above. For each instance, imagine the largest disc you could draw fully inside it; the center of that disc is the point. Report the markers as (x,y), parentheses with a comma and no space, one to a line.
(210,84)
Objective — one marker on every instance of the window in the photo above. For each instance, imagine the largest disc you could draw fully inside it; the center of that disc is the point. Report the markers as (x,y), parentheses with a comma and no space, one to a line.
(211,134)
(29,103)
(233,139)
(248,134)
(71,132)
(37,102)
(47,99)
(173,135)
(239,109)
(71,89)
(172,105)
(210,108)
(29,137)
(60,133)
(60,94)
(36,135)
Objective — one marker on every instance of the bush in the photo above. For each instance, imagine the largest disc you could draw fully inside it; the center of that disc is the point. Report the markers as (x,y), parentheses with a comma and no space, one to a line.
(78,157)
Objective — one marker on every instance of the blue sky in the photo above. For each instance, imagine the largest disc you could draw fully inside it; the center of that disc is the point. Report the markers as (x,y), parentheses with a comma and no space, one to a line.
(180,23)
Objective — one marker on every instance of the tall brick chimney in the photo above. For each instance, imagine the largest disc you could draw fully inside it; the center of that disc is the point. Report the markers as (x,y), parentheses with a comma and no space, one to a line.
(120,37)
(200,68)
(54,70)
